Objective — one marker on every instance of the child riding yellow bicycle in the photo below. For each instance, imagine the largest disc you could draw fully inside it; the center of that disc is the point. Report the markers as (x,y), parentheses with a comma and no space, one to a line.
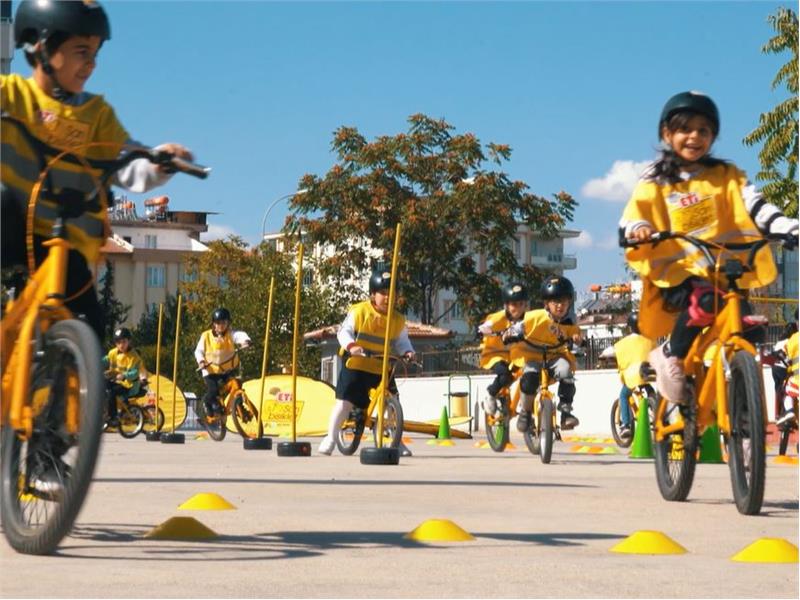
(123,367)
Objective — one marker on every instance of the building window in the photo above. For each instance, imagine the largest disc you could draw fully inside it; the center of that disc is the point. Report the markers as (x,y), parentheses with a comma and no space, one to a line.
(127,238)
(516,246)
(188,276)
(150,241)
(155,277)
(308,278)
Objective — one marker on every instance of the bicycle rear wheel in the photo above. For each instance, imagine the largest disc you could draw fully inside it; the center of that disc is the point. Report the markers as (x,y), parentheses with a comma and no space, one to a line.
(45,477)
(245,416)
(131,421)
(746,443)
(675,456)
(392,423)
(213,424)
(616,426)
(349,436)
(150,422)
(545,429)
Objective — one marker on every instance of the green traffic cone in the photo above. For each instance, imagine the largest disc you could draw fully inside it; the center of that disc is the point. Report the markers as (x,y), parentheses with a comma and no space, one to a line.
(642,446)
(710,447)
(444,426)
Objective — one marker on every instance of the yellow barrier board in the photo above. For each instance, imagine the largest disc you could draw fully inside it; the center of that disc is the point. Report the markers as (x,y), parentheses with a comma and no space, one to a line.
(165,387)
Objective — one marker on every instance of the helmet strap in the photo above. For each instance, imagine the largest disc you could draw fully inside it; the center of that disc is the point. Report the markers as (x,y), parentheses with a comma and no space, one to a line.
(59,93)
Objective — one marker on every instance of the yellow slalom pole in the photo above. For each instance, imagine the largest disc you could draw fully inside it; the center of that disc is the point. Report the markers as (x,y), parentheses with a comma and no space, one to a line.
(294,339)
(389,314)
(175,362)
(158,364)
(266,356)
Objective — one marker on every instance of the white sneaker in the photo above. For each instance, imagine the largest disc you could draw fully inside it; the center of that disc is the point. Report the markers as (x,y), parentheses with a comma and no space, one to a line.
(404,450)
(490,405)
(326,446)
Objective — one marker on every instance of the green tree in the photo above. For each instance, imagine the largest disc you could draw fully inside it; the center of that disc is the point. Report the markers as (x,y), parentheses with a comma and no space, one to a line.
(235,276)
(778,128)
(115,311)
(451,206)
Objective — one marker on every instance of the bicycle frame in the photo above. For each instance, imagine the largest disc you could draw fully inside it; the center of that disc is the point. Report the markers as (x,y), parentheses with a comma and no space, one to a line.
(545,393)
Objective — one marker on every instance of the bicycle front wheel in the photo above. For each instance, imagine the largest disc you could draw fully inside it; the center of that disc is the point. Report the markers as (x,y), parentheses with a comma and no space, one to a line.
(131,421)
(497,430)
(746,443)
(392,423)
(349,436)
(546,429)
(245,416)
(616,426)
(213,424)
(45,477)
(675,457)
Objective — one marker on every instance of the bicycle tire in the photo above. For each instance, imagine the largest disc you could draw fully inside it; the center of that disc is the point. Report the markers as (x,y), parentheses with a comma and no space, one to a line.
(35,522)
(746,443)
(214,426)
(131,421)
(149,422)
(392,422)
(675,460)
(783,444)
(349,436)
(497,433)
(616,426)
(245,415)
(546,430)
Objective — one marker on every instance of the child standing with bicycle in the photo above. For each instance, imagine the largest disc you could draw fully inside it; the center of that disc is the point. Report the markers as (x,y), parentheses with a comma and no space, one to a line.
(494,353)
(361,339)
(61,41)
(552,325)
(217,357)
(689,191)
(123,368)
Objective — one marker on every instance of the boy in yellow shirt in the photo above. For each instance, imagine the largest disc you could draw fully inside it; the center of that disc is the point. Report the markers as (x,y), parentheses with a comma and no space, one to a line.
(494,353)
(123,368)
(550,326)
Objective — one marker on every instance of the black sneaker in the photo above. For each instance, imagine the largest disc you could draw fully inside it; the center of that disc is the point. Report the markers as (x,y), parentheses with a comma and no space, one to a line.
(568,420)
(625,432)
(524,421)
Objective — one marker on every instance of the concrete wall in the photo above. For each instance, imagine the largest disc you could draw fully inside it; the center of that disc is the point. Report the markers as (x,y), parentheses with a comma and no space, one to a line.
(423,397)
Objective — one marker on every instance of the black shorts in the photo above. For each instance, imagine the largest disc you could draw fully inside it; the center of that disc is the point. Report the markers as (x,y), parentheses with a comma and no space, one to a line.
(354,386)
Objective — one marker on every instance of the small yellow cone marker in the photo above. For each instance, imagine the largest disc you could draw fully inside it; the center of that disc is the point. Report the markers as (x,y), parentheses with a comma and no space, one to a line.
(768,550)
(445,443)
(439,530)
(648,542)
(786,460)
(201,436)
(432,442)
(181,528)
(206,501)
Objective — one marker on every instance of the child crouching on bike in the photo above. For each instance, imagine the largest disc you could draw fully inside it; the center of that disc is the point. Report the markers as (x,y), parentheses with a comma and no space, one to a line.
(688,191)
(217,357)
(123,367)
(548,326)
(494,353)
(361,338)
(61,41)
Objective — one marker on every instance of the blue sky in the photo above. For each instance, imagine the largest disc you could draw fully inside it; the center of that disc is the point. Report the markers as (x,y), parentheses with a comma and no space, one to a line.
(256,89)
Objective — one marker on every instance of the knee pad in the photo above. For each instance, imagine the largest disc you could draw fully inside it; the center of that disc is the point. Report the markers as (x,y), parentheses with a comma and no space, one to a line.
(505,378)
(701,305)
(529,382)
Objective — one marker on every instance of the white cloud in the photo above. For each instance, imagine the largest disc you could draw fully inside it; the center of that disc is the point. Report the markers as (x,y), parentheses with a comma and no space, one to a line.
(217,232)
(610,242)
(618,183)
(583,241)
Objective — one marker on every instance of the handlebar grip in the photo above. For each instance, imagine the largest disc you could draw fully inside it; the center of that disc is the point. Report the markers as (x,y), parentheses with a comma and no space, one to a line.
(195,170)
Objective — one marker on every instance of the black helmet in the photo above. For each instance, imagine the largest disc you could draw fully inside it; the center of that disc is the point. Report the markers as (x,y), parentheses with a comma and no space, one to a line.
(692,102)
(379,280)
(123,333)
(557,287)
(515,292)
(220,314)
(37,20)
(633,321)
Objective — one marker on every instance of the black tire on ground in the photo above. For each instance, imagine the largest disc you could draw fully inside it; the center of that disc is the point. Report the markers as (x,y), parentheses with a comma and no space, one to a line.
(616,426)
(497,430)
(243,413)
(746,455)
(69,380)
(546,429)
(392,423)
(380,456)
(131,421)
(675,461)
(215,426)
(349,436)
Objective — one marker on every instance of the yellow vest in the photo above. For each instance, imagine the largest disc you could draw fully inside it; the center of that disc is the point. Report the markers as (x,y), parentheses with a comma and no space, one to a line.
(64,127)
(631,351)
(124,362)
(709,207)
(791,354)
(219,352)
(492,348)
(540,328)
(370,328)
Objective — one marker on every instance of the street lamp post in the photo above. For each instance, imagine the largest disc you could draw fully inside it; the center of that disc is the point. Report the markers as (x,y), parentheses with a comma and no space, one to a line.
(273,205)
